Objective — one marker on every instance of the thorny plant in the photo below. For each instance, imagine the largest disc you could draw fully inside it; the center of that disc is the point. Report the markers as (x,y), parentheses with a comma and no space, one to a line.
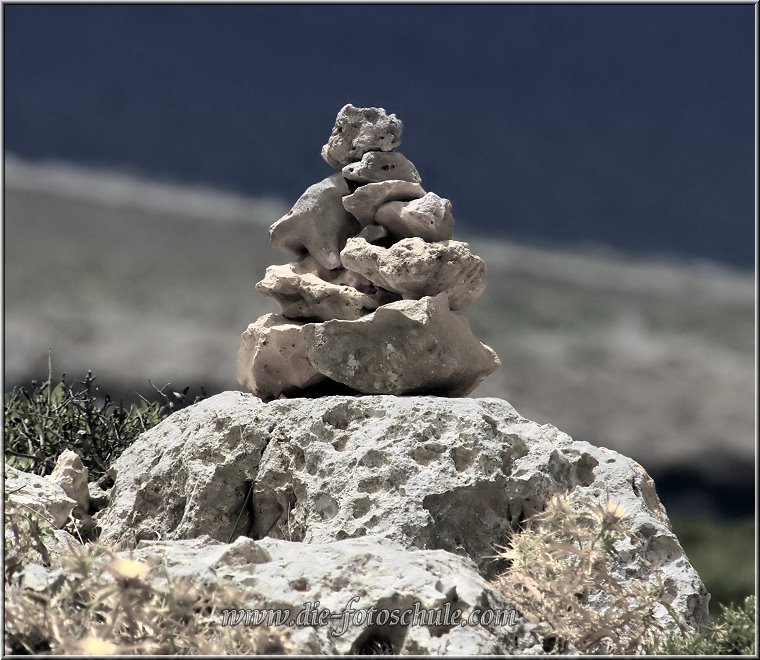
(43,420)
(99,603)
(562,576)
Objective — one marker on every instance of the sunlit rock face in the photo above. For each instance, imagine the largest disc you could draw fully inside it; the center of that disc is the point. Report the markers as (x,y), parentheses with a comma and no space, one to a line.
(372,303)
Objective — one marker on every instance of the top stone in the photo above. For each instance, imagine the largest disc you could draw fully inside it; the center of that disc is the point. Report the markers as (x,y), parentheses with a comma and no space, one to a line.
(358,131)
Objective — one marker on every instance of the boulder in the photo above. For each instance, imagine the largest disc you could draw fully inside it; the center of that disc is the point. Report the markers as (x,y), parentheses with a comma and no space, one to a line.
(352,575)
(428,217)
(317,224)
(71,475)
(272,357)
(359,130)
(39,494)
(378,166)
(363,203)
(302,293)
(414,268)
(404,347)
(428,473)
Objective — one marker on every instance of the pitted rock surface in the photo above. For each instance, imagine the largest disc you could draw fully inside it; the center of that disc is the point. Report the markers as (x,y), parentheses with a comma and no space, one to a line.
(359,130)
(425,472)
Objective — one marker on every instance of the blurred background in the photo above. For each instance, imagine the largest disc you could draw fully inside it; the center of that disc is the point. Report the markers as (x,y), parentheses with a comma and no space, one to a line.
(599,158)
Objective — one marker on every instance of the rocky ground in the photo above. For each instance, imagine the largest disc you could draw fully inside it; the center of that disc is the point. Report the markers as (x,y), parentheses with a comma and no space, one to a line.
(138,281)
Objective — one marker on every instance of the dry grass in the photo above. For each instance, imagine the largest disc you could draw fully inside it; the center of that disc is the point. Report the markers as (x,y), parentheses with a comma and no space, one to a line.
(564,576)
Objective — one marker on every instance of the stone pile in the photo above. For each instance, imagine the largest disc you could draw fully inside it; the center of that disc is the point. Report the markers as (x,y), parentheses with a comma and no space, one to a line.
(371,303)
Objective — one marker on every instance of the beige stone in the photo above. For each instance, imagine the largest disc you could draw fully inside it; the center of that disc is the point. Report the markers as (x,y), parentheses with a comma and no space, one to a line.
(71,475)
(272,358)
(405,347)
(359,130)
(317,223)
(304,290)
(428,217)
(378,166)
(415,268)
(364,202)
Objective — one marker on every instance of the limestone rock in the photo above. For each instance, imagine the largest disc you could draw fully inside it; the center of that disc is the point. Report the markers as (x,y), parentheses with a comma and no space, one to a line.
(40,494)
(98,497)
(359,130)
(426,472)
(378,166)
(372,233)
(428,217)
(409,346)
(366,200)
(272,357)
(305,290)
(317,223)
(71,475)
(415,268)
(278,574)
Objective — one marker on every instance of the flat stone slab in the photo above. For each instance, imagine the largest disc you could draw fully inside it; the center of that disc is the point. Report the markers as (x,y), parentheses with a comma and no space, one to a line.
(359,130)
(415,268)
(305,290)
(405,347)
(318,224)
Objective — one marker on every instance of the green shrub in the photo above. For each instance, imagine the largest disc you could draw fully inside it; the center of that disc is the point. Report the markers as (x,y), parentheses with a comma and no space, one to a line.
(733,633)
(43,420)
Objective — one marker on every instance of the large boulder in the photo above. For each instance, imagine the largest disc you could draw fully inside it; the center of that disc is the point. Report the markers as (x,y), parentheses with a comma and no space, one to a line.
(346,580)
(460,475)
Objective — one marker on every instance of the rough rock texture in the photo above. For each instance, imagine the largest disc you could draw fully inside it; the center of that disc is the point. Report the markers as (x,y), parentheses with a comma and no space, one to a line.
(40,494)
(426,472)
(272,357)
(415,268)
(305,290)
(428,217)
(317,223)
(359,130)
(372,233)
(364,202)
(380,166)
(71,475)
(405,347)
(274,573)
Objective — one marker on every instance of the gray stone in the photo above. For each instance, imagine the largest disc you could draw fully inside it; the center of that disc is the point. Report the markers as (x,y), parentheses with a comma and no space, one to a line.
(374,572)
(40,494)
(429,218)
(317,223)
(272,358)
(364,202)
(359,130)
(372,233)
(305,290)
(415,268)
(405,347)
(71,475)
(380,166)
(459,475)
(98,497)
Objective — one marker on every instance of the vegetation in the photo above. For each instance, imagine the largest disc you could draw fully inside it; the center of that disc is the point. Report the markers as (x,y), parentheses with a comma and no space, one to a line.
(43,420)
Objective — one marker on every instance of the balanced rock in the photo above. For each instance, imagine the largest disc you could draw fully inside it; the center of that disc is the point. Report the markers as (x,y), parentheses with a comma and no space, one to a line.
(364,202)
(409,346)
(305,290)
(428,217)
(272,358)
(359,130)
(317,224)
(459,475)
(378,166)
(415,268)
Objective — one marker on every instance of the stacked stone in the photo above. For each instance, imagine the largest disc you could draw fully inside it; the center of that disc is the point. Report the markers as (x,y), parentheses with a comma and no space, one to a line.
(372,301)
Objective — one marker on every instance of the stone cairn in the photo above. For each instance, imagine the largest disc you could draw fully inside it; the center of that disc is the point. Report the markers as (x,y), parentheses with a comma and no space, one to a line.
(371,303)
